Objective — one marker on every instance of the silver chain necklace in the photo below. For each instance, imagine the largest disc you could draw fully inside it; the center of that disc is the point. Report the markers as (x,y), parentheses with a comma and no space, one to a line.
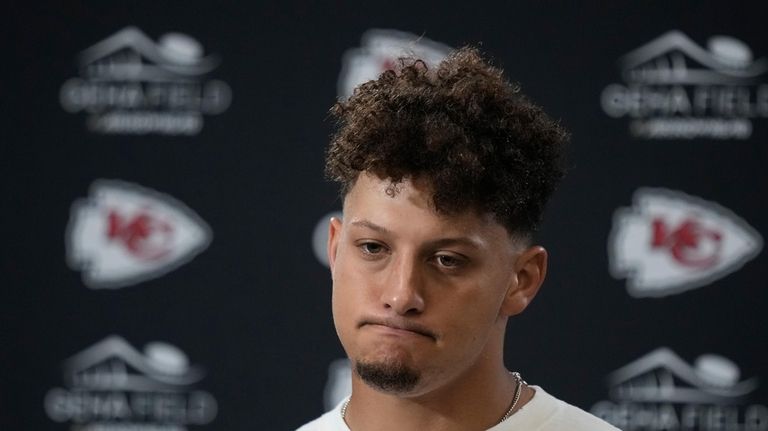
(518,391)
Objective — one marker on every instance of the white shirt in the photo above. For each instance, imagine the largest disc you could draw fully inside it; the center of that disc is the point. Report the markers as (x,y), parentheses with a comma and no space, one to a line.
(542,413)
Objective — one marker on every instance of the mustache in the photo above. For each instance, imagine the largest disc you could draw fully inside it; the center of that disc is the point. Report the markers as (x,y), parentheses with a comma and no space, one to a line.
(404,324)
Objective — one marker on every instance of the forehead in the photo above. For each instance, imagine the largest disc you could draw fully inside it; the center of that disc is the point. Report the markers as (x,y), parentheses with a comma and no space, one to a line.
(409,204)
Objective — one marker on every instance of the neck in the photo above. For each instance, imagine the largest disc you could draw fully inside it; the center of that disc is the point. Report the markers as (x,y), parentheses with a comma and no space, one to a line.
(475,400)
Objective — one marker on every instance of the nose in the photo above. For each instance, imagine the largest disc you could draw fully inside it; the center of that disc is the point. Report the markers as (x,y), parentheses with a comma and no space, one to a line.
(403,290)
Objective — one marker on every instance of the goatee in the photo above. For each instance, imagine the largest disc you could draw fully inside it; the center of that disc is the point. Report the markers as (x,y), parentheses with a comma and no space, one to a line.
(388,378)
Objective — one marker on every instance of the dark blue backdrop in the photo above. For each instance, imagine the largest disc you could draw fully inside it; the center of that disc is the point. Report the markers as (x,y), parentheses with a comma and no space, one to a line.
(240,319)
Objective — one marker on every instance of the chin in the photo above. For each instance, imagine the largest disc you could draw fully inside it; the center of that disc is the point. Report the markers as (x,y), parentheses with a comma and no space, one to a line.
(391,377)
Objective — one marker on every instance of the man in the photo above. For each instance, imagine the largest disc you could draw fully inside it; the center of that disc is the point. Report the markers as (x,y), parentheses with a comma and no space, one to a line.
(444,175)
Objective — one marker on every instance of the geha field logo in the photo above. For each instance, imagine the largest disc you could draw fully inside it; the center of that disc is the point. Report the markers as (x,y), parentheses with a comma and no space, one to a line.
(123,234)
(661,392)
(669,242)
(380,51)
(675,89)
(111,386)
(129,84)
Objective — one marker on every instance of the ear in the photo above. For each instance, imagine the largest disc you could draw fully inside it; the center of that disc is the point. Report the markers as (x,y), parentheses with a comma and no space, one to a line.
(530,270)
(334,234)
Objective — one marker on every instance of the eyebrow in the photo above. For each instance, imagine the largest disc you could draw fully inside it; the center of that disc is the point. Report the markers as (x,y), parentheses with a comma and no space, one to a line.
(442,242)
(370,225)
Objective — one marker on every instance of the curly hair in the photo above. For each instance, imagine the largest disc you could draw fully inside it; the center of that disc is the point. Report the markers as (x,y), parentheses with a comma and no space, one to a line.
(471,134)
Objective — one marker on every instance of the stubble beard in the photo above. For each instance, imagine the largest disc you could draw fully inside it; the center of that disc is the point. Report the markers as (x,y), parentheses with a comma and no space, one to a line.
(389,378)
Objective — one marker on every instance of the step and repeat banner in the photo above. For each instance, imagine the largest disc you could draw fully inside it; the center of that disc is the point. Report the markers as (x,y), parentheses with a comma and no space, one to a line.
(165,212)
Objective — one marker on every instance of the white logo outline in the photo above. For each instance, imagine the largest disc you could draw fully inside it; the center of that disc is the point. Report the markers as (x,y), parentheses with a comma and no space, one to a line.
(102,373)
(622,268)
(713,379)
(130,84)
(727,60)
(79,261)
(673,88)
(175,373)
(176,53)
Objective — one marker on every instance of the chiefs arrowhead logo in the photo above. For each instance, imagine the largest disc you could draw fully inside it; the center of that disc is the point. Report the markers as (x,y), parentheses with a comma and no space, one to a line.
(669,242)
(123,234)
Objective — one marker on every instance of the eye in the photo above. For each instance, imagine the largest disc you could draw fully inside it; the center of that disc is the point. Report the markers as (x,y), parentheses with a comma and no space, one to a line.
(449,261)
(371,248)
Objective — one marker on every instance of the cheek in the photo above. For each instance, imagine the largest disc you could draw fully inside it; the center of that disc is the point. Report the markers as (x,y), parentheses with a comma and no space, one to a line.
(348,301)
(476,310)
(349,292)
(342,309)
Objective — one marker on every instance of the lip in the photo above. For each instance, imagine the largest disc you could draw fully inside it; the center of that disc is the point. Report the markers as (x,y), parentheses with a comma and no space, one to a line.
(402,329)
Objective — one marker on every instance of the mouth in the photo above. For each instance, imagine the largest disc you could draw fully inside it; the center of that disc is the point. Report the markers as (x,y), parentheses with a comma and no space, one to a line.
(398,327)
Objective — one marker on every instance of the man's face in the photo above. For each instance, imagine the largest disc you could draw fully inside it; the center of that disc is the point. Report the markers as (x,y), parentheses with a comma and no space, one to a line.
(417,296)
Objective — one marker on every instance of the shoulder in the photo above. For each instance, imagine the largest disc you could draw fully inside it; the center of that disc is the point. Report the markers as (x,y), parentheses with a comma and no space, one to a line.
(330,421)
(577,419)
(570,417)
(547,413)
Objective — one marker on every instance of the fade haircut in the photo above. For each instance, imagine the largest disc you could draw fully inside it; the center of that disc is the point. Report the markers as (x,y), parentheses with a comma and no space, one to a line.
(480,144)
